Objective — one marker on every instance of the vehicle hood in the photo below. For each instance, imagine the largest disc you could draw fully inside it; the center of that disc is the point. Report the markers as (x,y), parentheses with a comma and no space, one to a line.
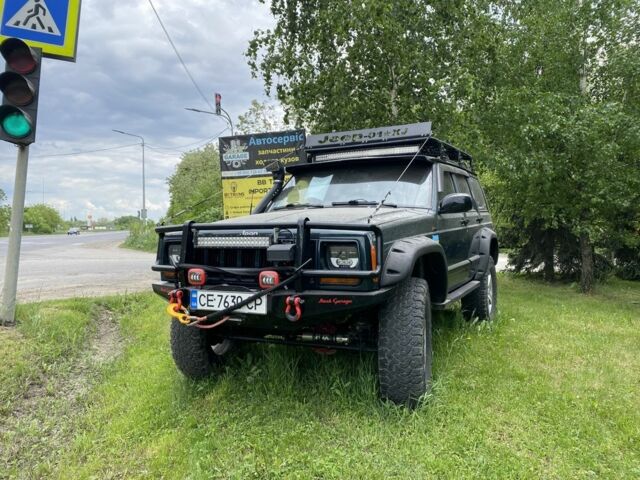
(342,215)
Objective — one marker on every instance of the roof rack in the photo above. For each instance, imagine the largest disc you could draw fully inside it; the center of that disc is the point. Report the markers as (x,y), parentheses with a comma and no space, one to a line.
(398,140)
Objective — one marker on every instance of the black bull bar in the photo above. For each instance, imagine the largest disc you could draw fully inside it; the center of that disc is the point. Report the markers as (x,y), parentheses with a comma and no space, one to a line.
(302,258)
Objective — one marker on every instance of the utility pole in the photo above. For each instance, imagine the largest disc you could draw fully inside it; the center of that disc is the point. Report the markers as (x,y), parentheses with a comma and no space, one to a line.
(8,312)
(143,212)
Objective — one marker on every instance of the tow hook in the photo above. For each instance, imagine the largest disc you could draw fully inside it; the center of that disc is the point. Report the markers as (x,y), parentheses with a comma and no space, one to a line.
(291,303)
(176,309)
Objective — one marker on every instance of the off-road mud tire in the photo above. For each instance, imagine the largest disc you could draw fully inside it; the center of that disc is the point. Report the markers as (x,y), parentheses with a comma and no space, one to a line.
(192,352)
(404,343)
(482,302)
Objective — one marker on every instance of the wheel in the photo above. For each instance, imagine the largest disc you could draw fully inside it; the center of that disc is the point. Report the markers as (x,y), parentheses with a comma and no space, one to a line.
(192,351)
(404,343)
(482,302)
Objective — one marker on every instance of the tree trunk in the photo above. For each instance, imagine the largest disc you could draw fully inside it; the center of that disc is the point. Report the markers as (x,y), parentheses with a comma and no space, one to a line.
(547,245)
(586,272)
(548,271)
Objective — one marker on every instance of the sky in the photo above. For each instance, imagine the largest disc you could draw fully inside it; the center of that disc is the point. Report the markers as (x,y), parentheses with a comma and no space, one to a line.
(127,77)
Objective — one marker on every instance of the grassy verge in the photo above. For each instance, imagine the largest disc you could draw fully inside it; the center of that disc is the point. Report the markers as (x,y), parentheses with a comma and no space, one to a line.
(141,237)
(548,390)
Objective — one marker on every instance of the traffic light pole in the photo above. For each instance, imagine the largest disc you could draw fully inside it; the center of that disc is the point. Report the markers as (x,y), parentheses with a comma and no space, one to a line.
(226,116)
(8,311)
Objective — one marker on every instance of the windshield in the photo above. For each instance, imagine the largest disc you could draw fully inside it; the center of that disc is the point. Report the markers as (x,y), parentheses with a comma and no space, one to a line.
(358,184)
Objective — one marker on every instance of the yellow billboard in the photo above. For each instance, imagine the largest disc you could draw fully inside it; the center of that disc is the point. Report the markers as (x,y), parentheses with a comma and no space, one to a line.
(241,195)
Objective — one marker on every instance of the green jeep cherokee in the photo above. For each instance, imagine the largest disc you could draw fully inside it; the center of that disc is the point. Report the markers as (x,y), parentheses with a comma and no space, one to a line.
(353,252)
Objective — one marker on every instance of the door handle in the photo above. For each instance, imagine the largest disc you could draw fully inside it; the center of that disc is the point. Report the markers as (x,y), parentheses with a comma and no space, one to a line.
(479,219)
(464,222)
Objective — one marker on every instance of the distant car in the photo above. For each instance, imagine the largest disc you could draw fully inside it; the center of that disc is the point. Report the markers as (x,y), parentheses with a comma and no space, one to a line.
(73,231)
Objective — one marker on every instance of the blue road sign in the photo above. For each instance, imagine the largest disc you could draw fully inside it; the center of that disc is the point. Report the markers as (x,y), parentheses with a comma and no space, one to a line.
(48,24)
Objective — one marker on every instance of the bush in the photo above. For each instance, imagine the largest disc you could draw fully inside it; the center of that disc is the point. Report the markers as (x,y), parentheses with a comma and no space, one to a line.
(142,237)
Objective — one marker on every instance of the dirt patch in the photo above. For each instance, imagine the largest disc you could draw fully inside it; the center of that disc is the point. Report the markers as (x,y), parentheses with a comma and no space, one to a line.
(42,422)
(106,345)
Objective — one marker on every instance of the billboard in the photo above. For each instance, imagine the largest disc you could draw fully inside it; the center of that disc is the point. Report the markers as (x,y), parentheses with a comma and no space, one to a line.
(243,162)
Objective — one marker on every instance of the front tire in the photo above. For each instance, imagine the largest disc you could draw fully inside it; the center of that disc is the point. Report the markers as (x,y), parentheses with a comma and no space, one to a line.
(404,343)
(192,351)
(482,302)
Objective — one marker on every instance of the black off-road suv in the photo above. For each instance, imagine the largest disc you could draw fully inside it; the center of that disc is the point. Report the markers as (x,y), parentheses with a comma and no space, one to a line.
(353,252)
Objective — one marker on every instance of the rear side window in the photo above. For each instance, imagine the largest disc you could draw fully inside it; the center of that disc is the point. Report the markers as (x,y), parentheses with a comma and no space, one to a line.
(461,184)
(447,184)
(477,193)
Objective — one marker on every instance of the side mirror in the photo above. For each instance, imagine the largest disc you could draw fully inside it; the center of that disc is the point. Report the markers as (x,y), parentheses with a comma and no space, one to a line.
(455,203)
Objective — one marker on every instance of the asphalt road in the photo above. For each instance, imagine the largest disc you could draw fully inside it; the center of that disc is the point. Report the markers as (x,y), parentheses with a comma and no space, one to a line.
(85,265)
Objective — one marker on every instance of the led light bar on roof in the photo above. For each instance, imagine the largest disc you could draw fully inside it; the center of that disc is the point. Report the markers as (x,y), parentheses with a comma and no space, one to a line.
(233,242)
(371,152)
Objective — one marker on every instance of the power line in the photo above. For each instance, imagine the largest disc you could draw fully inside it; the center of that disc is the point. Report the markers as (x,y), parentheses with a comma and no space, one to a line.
(184,65)
(179,148)
(81,152)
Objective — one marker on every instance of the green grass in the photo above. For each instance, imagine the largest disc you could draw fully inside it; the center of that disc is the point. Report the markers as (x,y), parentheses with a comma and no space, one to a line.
(142,237)
(549,390)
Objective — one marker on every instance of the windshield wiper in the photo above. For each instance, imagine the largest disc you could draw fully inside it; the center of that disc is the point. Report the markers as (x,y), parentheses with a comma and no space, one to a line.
(360,201)
(299,205)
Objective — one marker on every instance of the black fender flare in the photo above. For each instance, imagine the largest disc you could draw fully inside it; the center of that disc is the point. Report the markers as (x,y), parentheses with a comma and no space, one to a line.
(403,256)
(483,244)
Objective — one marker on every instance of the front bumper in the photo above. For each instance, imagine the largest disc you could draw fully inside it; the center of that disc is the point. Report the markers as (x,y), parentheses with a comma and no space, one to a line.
(320,306)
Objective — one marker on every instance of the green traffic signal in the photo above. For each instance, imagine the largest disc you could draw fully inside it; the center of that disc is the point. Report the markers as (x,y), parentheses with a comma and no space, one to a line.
(16,125)
(19,84)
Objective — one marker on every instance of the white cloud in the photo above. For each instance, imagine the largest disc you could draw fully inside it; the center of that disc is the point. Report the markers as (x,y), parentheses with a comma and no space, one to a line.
(127,77)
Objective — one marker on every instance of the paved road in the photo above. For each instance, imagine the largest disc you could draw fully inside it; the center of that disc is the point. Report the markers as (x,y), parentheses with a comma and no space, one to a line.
(89,264)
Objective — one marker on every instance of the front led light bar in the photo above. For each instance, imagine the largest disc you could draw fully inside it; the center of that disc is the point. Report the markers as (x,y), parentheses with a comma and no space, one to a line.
(371,152)
(233,242)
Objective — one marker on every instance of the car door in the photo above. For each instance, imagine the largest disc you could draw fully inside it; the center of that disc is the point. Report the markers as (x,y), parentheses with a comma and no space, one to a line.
(452,234)
(479,217)
(465,235)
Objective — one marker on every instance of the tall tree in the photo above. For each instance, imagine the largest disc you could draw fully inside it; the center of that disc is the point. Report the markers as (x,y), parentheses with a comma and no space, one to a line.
(336,64)
(45,219)
(571,108)
(544,92)
(261,117)
(195,187)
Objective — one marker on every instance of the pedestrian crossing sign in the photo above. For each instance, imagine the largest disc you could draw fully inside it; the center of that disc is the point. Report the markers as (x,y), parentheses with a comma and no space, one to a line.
(51,25)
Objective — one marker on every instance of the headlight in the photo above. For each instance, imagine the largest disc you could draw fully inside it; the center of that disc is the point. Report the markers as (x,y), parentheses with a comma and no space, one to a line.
(343,256)
(174,253)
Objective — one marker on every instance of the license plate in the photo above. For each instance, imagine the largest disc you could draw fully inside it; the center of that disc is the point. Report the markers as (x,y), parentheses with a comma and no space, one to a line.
(217,300)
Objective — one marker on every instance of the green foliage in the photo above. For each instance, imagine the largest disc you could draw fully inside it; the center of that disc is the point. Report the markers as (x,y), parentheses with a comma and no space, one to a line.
(141,237)
(5,213)
(261,117)
(195,188)
(45,219)
(125,222)
(340,65)
(545,94)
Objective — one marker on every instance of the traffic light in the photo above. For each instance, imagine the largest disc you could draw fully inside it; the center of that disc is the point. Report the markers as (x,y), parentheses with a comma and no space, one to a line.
(19,84)
(218,104)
